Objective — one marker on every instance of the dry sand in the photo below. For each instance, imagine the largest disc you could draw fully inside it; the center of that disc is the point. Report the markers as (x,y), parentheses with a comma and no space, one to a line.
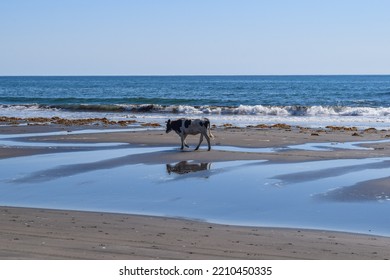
(53,234)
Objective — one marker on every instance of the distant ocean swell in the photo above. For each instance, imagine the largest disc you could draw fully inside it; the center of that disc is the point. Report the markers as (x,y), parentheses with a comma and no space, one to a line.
(256,110)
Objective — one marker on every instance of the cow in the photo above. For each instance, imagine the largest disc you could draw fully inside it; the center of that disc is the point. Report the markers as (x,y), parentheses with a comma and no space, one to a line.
(184,127)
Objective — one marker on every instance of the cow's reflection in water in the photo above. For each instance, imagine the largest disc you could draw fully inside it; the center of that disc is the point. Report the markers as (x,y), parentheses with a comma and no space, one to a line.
(185,167)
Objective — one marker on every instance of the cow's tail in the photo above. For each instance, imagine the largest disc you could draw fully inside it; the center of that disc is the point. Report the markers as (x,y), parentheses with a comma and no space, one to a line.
(209,128)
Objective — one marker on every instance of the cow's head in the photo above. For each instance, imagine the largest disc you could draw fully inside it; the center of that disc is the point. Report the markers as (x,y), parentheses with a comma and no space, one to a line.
(169,126)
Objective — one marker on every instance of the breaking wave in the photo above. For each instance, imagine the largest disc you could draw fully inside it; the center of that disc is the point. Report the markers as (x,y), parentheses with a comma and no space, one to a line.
(258,110)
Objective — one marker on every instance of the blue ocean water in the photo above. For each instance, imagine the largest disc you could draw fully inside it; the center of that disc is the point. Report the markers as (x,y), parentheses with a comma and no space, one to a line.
(242,100)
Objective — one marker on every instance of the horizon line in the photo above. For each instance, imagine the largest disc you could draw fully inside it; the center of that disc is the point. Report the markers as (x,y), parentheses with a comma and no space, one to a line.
(183,75)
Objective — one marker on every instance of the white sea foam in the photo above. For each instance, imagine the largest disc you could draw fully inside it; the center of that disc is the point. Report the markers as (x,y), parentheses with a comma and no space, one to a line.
(243,115)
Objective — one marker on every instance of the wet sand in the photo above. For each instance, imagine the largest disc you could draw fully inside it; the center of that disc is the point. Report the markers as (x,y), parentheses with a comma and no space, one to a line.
(53,234)
(268,137)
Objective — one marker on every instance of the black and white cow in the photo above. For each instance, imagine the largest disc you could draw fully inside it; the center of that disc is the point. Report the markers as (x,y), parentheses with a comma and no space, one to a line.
(185,127)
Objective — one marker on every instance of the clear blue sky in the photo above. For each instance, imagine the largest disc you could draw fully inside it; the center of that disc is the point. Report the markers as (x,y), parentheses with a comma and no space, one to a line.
(185,37)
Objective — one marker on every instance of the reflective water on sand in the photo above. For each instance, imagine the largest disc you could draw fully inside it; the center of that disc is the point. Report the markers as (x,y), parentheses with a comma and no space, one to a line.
(21,140)
(306,147)
(238,192)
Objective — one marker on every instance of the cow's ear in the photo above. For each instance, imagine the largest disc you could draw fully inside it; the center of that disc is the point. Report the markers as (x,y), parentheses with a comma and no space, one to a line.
(169,121)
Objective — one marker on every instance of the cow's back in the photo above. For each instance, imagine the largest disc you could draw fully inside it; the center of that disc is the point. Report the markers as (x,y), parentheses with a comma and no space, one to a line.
(195,126)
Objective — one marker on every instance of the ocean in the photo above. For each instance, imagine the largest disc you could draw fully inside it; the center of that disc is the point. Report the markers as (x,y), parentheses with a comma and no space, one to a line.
(311,101)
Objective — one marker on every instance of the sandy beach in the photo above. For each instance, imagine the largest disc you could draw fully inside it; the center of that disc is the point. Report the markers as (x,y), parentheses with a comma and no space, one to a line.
(51,234)
(296,94)
(27,233)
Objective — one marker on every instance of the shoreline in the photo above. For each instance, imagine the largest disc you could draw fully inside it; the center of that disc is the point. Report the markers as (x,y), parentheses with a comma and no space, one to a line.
(60,236)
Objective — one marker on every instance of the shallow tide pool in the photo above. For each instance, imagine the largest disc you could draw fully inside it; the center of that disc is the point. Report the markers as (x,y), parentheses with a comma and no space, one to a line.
(318,194)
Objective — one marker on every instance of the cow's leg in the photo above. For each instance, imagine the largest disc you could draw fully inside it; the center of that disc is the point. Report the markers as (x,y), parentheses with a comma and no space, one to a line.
(200,141)
(182,141)
(208,140)
(185,143)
